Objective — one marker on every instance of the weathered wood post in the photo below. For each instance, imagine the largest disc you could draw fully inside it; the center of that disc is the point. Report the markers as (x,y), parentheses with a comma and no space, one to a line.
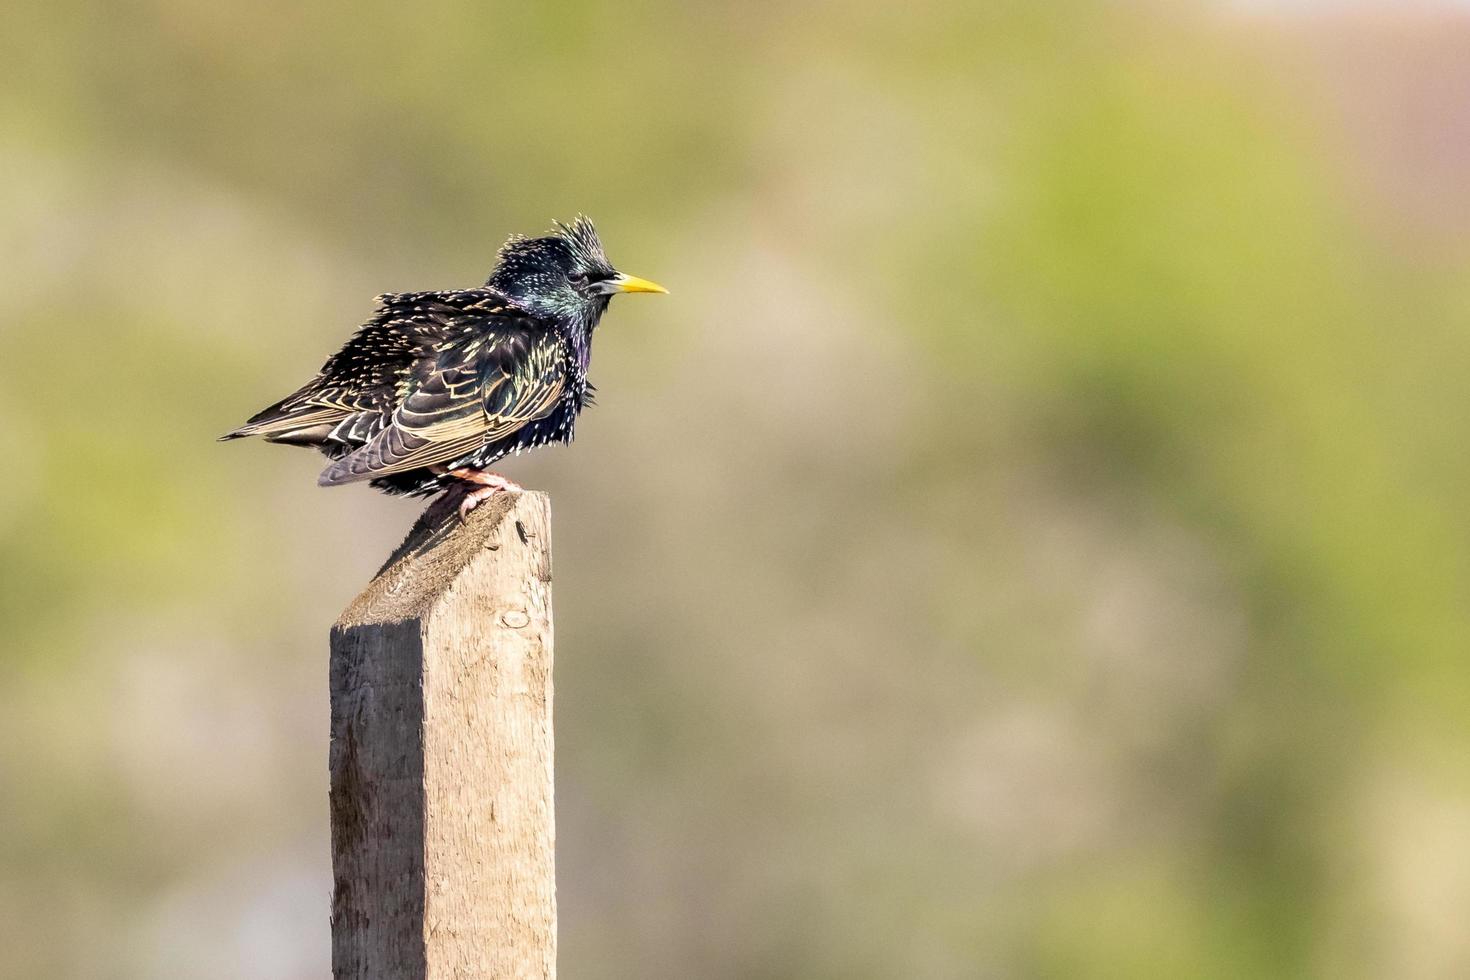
(442,824)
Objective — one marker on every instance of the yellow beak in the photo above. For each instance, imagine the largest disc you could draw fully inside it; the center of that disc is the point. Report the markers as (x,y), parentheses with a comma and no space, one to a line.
(623,283)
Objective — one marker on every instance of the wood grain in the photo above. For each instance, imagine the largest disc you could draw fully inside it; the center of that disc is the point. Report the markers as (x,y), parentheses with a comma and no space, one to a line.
(443,830)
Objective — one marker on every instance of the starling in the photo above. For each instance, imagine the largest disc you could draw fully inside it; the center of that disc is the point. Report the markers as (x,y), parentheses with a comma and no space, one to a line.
(437,386)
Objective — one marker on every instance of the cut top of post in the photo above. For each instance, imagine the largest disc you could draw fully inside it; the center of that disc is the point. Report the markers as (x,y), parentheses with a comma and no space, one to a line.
(440,549)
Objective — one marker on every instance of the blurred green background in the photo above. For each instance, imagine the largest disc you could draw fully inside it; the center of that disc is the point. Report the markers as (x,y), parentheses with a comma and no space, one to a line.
(1030,541)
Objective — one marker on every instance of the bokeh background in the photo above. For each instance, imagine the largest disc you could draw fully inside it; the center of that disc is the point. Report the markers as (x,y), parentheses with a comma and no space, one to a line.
(1030,541)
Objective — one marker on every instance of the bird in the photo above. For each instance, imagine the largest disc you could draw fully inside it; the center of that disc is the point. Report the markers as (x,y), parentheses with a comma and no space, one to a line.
(437,386)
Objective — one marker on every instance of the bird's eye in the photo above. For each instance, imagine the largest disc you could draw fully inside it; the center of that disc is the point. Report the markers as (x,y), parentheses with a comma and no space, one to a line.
(578,279)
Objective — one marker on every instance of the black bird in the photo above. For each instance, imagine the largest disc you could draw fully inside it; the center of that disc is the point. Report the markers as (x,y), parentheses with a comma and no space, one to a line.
(437,386)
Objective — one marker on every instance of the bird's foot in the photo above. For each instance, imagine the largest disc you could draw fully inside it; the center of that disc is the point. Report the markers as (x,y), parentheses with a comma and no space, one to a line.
(486,485)
(474,498)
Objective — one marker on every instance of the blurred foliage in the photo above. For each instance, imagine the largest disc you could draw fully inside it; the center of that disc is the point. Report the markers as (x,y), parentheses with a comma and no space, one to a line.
(1029,541)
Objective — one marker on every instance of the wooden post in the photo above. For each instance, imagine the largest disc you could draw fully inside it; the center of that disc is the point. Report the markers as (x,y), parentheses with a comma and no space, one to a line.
(442,825)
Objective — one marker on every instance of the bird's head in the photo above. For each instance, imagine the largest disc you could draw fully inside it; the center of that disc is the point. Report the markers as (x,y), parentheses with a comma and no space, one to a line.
(564,275)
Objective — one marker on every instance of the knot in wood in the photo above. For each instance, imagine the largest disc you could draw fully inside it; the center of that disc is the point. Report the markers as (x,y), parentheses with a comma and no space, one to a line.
(515,618)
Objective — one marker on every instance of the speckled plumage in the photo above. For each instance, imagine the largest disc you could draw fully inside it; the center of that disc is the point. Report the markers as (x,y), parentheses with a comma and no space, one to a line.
(455,380)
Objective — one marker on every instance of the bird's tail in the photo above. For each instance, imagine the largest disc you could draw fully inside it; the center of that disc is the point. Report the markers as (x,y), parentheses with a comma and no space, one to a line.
(286,422)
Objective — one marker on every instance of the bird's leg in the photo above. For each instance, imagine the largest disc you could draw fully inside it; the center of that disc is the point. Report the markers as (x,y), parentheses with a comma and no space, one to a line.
(485,484)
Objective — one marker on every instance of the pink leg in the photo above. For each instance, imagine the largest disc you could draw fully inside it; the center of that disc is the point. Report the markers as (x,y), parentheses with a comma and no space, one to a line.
(486,485)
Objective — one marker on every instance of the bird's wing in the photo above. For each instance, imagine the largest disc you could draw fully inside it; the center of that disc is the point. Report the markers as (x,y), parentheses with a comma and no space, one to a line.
(478,390)
(353,396)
